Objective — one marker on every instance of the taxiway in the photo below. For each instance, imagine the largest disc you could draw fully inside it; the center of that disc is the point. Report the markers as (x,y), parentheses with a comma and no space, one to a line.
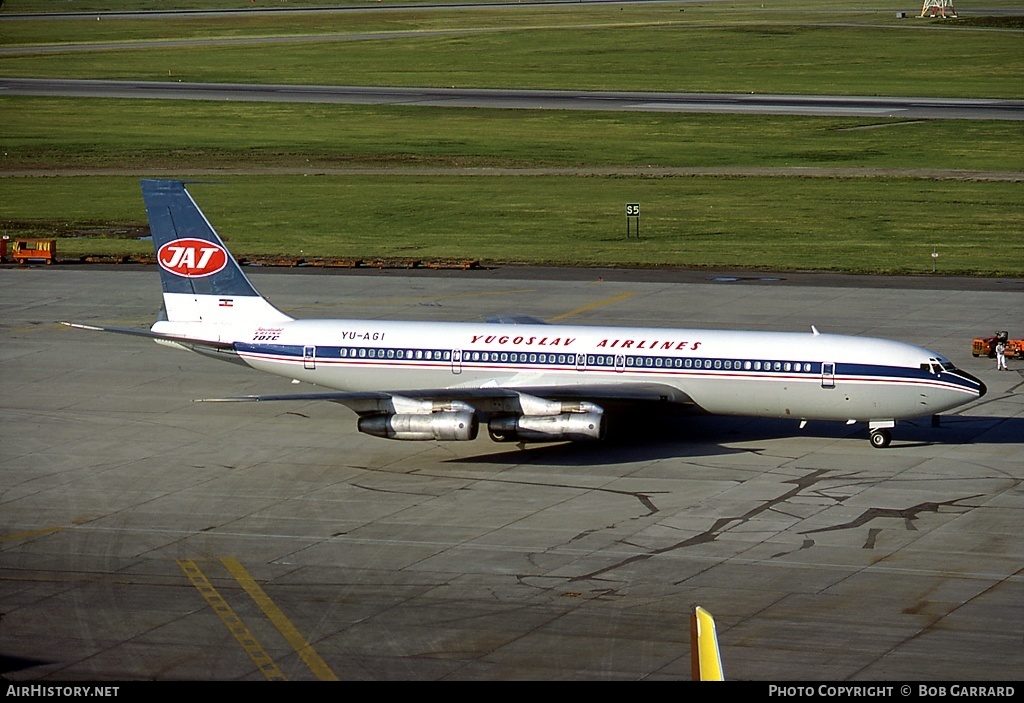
(140,532)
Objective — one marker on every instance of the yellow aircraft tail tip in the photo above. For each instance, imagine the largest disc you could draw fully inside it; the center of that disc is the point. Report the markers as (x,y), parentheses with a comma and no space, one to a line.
(706,661)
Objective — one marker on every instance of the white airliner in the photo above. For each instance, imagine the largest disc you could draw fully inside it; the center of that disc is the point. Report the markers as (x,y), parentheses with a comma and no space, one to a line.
(529,382)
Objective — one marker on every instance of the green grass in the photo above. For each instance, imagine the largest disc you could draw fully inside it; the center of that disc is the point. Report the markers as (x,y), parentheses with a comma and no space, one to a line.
(41,133)
(811,60)
(31,6)
(732,47)
(881,225)
(721,7)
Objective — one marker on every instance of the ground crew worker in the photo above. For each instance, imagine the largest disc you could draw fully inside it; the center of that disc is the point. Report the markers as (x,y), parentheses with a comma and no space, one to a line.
(1001,357)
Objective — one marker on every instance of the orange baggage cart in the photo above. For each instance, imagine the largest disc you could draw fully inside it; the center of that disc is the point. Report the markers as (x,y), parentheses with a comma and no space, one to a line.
(25,250)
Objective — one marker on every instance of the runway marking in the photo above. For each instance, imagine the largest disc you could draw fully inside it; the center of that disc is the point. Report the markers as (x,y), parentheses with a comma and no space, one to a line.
(33,533)
(766,110)
(598,304)
(234,624)
(274,614)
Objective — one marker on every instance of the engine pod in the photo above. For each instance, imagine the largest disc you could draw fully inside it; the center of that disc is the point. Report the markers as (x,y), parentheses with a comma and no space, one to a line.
(456,426)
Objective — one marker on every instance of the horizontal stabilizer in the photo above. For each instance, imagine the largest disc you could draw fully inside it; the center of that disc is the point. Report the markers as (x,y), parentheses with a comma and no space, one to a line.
(189,341)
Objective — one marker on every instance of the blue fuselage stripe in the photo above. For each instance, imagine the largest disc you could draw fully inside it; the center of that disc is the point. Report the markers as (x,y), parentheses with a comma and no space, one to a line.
(405,357)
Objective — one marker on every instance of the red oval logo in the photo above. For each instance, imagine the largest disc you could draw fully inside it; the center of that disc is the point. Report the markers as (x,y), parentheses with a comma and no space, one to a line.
(192,258)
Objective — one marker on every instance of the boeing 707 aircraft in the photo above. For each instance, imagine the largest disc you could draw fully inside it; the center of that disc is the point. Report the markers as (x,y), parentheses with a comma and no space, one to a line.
(530,382)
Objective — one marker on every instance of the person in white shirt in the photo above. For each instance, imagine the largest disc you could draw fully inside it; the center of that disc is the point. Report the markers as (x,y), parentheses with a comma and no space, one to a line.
(1001,357)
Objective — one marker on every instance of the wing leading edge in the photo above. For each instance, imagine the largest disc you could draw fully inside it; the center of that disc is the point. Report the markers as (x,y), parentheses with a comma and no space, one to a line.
(527,399)
(542,414)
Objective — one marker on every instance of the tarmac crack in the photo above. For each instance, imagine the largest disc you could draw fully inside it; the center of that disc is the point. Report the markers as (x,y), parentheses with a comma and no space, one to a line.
(717,528)
(908,515)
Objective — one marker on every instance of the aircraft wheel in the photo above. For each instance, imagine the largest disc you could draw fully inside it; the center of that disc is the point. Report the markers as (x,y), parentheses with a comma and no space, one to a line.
(880,439)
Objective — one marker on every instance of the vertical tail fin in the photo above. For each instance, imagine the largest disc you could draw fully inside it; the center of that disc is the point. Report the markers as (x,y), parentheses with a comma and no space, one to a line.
(201,281)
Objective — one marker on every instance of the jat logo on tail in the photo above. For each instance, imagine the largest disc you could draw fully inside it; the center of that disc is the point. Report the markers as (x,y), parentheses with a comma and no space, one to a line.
(192,258)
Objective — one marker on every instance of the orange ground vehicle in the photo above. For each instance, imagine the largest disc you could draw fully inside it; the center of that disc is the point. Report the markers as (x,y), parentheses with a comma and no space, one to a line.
(986,346)
(34,249)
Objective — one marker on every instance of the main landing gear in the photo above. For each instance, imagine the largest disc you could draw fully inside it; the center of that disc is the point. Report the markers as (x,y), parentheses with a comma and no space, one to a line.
(880,438)
(880,432)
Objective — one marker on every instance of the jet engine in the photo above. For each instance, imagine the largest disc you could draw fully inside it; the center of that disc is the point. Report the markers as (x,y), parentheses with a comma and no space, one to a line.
(547,428)
(461,426)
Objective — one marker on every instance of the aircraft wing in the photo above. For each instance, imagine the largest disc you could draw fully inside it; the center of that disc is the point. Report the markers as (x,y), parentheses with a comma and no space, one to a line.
(484,400)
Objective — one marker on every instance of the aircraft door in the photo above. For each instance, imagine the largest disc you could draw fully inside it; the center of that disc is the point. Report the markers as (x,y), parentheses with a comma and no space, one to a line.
(828,375)
(620,363)
(309,357)
(581,362)
(456,361)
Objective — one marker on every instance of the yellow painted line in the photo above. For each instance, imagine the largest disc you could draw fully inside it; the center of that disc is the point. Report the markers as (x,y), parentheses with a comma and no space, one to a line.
(33,533)
(598,304)
(303,648)
(234,624)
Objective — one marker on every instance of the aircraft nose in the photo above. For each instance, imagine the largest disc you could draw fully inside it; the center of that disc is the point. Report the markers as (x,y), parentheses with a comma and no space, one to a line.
(982,388)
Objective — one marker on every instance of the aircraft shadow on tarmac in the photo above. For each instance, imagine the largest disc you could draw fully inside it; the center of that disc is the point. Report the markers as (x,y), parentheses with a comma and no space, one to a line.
(633,440)
(9,664)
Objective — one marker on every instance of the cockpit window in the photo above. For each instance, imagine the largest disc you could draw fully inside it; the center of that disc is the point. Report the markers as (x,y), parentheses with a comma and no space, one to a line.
(948,366)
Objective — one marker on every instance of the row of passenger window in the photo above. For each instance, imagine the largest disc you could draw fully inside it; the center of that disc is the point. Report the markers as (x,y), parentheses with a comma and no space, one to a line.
(726,364)
(405,354)
(592,360)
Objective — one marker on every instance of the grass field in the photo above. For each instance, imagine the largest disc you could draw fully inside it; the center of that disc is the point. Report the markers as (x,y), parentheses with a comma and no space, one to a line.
(772,220)
(642,47)
(140,134)
(882,225)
